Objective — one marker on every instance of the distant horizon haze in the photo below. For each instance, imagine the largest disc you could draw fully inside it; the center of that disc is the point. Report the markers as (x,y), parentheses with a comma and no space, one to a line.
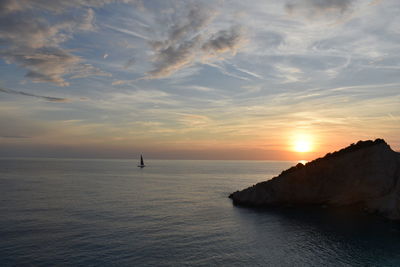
(101,152)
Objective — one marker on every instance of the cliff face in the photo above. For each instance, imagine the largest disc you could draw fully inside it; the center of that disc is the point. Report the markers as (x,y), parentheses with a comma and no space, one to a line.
(366,174)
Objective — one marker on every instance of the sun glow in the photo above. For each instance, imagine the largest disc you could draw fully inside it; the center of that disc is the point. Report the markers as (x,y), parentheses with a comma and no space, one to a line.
(302,146)
(302,143)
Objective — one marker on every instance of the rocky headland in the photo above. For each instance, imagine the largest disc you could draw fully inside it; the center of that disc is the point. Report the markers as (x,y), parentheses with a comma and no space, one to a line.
(365,175)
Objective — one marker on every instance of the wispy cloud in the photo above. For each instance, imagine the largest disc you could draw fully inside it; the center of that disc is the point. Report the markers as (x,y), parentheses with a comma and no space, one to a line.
(33,41)
(129,63)
(57,6)
(128,32)
(121,82)
(194,120)
(248,72)
(198,88)
(314,8)
(13,136)
(222,68)
(187,42)
(18,126)
(181,44)
(46,98)
(172,58)
(224,41)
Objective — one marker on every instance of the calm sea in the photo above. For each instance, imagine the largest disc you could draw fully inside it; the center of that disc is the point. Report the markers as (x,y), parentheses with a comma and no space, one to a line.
(61,212)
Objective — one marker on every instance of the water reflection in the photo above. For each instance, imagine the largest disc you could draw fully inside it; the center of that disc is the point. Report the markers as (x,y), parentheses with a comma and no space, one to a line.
(176,213)
(323,236)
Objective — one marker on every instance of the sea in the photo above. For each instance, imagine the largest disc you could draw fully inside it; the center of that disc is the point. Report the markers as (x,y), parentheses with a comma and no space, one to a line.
(95,212)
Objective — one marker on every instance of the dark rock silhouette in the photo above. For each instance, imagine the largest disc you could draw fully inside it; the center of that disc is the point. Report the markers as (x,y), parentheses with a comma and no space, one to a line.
(365,175)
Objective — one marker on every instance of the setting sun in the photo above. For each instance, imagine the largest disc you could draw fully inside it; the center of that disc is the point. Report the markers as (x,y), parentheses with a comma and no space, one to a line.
(302,146)
(302,142)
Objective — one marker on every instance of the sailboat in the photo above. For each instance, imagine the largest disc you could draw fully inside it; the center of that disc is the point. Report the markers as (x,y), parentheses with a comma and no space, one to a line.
(141,165)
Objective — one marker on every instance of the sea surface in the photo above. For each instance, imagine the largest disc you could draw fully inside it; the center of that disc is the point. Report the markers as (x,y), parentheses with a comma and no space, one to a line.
(74,212)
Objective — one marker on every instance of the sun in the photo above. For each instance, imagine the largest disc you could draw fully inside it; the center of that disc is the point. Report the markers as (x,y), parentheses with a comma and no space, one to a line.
(302,145)
(302,142)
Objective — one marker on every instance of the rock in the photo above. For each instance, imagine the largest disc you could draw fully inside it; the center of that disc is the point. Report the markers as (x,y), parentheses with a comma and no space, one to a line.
(365,175)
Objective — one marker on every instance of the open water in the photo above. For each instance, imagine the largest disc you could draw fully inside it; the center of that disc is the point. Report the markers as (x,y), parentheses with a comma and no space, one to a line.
(69,212)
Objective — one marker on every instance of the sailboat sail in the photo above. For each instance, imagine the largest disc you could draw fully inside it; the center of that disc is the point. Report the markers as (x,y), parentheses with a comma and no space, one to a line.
(141,162)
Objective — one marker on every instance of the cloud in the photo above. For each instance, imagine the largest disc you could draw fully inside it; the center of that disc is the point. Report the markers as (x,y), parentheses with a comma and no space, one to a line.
(129,63)
(181,44)
(32,35)
(33,41)
(375,2)
(128,32)
(57,6)
(198,88)
(224,70)
(86,70)
(87,23)
(43,65)
(224,41)
(121,82)
(20,126)
(188,40)
(13,136)
(140,97)
(173,58)
(47,98)
(194,120)
(197,18)
(315,8)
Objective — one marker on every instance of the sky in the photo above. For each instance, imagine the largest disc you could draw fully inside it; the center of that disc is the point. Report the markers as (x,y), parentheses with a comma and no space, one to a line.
(190,79)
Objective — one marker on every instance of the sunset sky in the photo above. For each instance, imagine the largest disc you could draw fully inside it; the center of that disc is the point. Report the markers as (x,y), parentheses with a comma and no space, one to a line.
(197,79)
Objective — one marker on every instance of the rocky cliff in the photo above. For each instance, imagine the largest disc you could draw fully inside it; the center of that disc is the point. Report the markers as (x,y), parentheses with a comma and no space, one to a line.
(365,174)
